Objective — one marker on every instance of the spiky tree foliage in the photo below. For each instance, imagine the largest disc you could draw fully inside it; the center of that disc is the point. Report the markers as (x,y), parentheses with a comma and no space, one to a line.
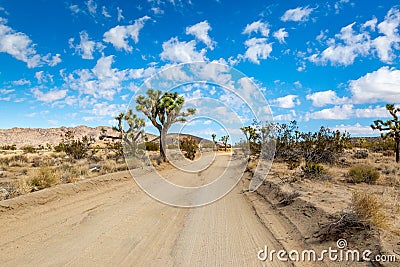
(188,147)
(252,138)
(129,136)
(224,139)
(163,110)
(213,138)
(391,128)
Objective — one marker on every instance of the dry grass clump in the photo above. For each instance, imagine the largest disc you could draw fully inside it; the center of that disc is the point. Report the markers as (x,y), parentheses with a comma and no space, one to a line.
(363,174)
(42,177)
(368,209)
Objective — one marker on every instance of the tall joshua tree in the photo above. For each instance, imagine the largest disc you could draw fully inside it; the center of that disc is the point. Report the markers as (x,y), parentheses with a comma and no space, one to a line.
(163,110)
(391,128)
(224,140)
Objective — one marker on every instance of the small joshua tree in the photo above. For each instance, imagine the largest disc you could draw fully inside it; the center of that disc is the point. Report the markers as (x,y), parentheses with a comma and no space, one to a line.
(213,138)
(129,137)
(391,128)
(224,139)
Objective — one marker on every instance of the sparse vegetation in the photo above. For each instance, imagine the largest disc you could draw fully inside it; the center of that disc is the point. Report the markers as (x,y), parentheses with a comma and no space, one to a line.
(42,178)
(363,174)
(313,170)
(390,128)
(368,209)
(75,148)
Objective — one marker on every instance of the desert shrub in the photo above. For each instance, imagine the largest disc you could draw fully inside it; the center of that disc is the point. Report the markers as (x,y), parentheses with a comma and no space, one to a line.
(368,209)
(28,149)
(313,171)
(388,153)
(8,147)
(75,148)
(42,178)
(152,146)
(188,146)
(293,161)
(361,154)
(363,174)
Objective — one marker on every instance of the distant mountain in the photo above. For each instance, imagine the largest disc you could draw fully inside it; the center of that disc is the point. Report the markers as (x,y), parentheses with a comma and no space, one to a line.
(38,136)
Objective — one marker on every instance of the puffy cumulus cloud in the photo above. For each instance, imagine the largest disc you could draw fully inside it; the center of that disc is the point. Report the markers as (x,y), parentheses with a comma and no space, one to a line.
(180,52)
(289,101)
(102,81)
(50,96)
(356,129)
(106,109)
(257,48)
(347,111)
(320,99)
(280,35)
(297,14)
(380,85)
(286,117)
(257,27)
(349,44)
(21,47)
(345,48)
(390,39)
(86,47)
(200,31)
(119,35)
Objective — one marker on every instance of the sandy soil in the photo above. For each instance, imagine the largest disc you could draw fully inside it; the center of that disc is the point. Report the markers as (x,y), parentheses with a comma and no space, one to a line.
(109,221)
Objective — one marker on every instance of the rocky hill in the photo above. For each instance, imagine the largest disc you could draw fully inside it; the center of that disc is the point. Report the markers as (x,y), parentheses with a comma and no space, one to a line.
(38,136)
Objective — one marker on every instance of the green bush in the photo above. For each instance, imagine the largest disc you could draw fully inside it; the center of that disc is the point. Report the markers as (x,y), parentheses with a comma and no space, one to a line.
(151,146)
(28,149)
(75,148)
(313,170)
(8,147)
(363,174)
(188,146)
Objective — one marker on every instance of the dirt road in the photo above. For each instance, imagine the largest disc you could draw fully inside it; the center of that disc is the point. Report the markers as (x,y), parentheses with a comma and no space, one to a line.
(109,221)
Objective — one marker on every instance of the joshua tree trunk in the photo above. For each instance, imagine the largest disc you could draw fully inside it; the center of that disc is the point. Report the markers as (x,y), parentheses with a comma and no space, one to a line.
(397,150)
(163,136)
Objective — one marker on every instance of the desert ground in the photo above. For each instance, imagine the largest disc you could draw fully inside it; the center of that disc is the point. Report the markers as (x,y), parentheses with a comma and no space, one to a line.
(105,219)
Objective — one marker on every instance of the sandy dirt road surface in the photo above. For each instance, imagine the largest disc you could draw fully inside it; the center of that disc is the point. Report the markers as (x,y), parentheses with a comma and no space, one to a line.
(110,221)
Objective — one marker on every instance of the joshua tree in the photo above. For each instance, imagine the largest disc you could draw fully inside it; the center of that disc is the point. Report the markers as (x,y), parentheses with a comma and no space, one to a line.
(213,138)
(129,136)
(163,110)
(391,128)
(224,140)
(251,137)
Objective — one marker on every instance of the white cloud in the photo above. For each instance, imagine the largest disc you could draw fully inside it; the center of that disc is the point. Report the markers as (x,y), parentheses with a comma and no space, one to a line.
(179,52)
(51,96)
(389,28)
(257,27)
(200,31)
(346,46)
(42,77)
(107,109)
(120,35)
(21,82)
(380,85)
(92,6)
(320,99)
(105,13)
(336,113)
(21,47)
(74,9)
(348,111)
(280,35)
(102,81)
(289,101)
(297,14)
(356,129)
(349,47)
(119,15)
(86,47)
(157,11)
(257,48)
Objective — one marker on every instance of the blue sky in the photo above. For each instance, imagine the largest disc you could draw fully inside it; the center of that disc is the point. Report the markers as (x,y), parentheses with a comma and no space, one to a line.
(68,63)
